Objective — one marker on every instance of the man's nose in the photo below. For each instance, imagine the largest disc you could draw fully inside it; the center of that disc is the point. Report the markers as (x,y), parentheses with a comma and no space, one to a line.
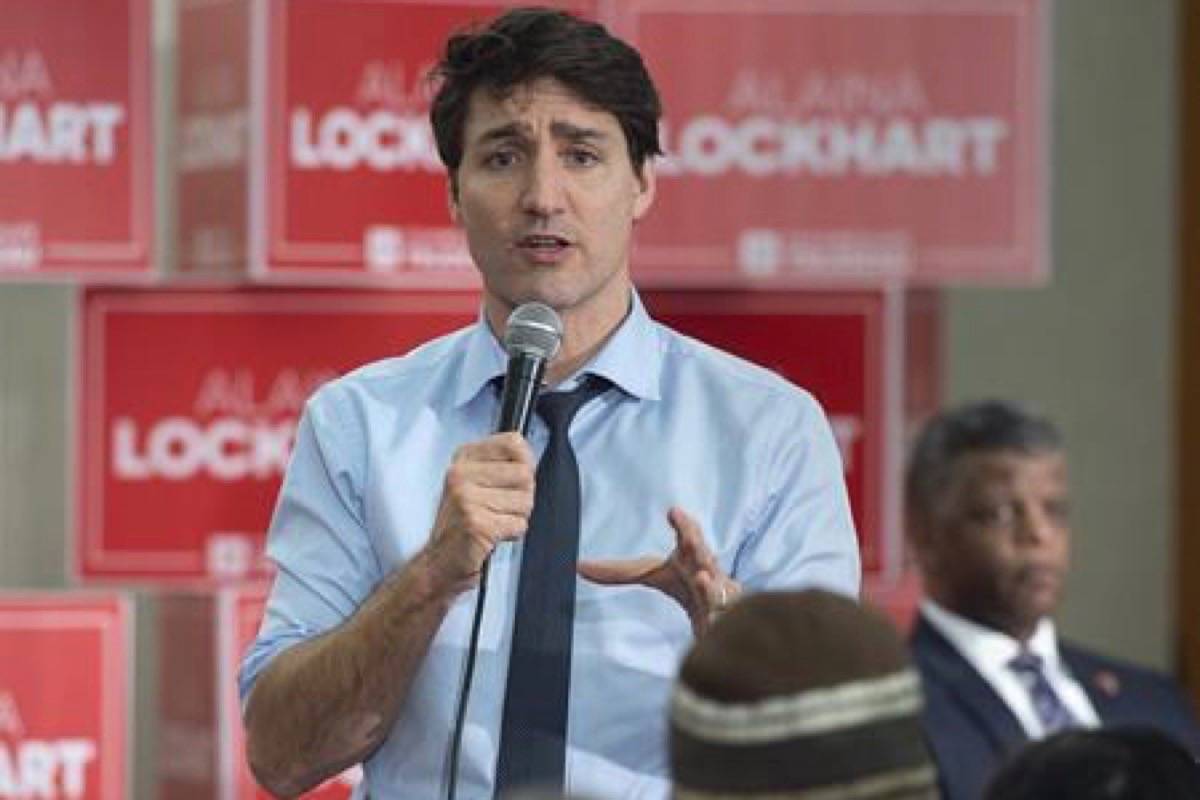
(1036,524)
(544,189)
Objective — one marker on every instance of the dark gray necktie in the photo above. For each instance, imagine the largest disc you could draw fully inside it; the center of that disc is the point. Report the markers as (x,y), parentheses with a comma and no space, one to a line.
(533,733)
(1049,707)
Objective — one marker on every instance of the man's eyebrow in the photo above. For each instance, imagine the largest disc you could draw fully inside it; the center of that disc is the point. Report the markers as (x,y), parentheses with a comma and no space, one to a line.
(559,130)
(576,133)
(511,130)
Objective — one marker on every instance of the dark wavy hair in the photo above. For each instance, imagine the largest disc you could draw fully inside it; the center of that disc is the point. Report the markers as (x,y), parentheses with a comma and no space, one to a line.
(525,44)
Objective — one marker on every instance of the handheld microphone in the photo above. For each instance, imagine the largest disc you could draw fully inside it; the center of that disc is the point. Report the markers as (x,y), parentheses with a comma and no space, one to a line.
(531,339)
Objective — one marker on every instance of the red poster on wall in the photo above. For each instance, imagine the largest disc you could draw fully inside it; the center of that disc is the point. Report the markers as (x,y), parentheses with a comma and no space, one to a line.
(76,144)
(203,636)
(190,399)
(240,614)
(835,346)
(807,144)
(188,406)
(864,140)
(64,710)
(318,170)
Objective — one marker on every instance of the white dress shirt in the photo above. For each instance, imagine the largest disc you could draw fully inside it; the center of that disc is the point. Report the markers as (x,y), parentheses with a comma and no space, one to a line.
(989,651)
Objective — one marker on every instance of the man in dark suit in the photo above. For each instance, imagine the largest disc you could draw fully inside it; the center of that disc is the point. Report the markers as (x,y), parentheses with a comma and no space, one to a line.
(987,516)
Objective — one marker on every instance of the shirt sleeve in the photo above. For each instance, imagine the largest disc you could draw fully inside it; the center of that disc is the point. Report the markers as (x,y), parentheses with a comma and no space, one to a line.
(804,535)
(318,540)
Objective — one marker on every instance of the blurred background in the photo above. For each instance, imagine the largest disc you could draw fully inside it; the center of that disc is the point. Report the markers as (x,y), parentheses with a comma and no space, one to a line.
(231,303)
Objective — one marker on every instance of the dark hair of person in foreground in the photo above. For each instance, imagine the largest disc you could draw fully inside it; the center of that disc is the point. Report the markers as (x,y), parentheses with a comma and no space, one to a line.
(1120,763)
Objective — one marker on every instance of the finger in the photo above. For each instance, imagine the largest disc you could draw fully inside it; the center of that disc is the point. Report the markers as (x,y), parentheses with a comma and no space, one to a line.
(718,592)
(701,589)
(722,593)
(697,567)
(510,527)
(465,478)
(509,446)
(609,572)
(692,549)
(498,475)
(484,523)
(516,502)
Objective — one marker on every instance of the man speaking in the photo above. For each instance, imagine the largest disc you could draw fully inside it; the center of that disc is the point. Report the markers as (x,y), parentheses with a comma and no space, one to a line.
(469,612)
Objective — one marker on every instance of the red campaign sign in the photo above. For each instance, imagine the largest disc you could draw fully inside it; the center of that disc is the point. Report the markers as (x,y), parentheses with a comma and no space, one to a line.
(833,345)
(334,171)
(76,142)
(64,699)
(188,408)
(190,401)
(860,141)
(202,637)
(240,615)
(898,597)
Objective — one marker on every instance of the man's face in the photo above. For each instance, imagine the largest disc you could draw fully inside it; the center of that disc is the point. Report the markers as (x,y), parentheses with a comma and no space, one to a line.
(547,195)
(996,548)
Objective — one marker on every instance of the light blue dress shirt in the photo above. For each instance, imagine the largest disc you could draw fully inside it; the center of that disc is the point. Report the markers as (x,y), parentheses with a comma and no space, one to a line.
(747,454)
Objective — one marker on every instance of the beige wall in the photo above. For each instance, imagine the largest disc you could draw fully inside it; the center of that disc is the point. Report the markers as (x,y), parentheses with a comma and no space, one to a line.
(34,418)
(1094,348)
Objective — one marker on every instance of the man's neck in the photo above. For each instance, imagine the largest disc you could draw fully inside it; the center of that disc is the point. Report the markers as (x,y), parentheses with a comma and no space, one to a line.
(585,332)
(1020,631)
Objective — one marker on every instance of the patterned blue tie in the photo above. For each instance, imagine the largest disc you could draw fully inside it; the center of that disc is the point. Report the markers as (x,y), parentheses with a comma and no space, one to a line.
(533,733)
(1050,709)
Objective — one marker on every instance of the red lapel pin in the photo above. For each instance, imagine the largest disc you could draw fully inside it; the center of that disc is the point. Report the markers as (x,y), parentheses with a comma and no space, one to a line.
(1107,682)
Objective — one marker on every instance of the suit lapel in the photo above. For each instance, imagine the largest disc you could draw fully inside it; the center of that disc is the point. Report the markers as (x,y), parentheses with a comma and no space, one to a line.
(1102,685)
(941,663)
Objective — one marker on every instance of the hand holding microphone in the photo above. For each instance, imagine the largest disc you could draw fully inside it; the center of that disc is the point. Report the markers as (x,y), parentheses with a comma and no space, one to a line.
(487,495)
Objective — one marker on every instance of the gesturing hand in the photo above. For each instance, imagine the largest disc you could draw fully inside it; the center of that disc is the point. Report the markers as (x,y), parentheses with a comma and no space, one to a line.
(487,498)
(689,574)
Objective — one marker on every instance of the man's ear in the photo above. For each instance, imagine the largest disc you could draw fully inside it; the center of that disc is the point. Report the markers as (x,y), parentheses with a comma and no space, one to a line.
(644,189)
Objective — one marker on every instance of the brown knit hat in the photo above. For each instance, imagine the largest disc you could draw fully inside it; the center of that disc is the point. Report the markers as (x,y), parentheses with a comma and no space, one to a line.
(799,694)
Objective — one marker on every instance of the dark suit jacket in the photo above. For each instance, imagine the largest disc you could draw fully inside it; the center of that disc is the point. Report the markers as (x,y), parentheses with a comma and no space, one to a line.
(971,730)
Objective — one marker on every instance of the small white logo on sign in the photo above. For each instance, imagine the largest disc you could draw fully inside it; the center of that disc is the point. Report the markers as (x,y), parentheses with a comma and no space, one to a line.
(20,246)
(229,555)
(383,248)
(759,252)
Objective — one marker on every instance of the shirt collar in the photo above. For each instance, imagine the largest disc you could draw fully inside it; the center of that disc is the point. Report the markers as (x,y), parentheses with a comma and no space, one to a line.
(988,646)
(483,361)
(631,358)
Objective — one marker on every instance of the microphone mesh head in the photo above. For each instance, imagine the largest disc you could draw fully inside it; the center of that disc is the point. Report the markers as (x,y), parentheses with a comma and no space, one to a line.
(533,329)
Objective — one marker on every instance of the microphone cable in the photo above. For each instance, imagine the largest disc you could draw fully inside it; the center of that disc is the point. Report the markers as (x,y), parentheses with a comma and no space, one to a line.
(464,690)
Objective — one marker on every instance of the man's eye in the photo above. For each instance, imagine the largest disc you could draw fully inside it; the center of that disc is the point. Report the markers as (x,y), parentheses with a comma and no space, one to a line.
(993,514)
(579,157)
(1058,510)
(500,159)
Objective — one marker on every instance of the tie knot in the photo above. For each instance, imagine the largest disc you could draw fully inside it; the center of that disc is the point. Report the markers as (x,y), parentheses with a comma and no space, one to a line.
(559,408)
(1027,663)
